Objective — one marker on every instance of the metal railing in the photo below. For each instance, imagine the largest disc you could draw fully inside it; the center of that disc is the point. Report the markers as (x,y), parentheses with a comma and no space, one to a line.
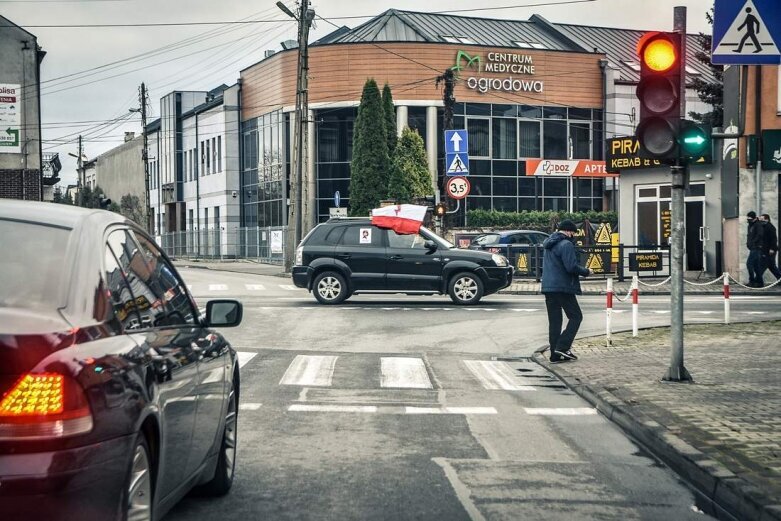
(266,245)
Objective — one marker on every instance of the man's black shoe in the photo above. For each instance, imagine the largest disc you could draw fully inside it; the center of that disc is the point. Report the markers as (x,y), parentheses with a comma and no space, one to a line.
(568,354)
(559,360)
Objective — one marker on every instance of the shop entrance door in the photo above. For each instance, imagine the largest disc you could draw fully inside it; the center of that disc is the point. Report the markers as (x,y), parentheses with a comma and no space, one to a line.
(695,220)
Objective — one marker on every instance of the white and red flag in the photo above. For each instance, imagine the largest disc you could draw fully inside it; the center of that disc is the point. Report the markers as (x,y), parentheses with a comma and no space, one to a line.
(404,219)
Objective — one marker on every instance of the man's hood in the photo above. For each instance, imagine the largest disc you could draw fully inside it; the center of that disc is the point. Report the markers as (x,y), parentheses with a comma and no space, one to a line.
(554,239)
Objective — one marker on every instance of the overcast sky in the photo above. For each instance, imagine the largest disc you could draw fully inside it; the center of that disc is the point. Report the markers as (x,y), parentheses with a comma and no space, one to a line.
(89,97)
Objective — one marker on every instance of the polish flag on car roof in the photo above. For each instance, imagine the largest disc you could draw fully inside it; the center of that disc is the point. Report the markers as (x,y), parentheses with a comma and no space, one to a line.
(404,219)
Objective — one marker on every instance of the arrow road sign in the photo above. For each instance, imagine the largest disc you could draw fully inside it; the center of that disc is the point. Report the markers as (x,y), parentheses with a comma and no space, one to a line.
(747,32)
(456,141)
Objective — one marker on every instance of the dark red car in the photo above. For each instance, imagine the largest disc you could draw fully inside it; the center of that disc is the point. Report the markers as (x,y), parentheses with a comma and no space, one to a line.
(116,396)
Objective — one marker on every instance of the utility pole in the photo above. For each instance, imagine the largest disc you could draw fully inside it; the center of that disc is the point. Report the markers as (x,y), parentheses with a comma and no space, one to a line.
(80,171)
(449,101)
(145,158)
(304,17)
(677,372)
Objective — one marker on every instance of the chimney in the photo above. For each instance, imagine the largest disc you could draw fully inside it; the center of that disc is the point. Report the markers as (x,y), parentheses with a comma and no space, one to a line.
(129,136)
(269,53)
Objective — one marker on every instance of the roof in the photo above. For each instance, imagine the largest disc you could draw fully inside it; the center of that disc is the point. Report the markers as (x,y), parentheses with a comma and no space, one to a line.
(5,22)
(51,214)
(619,45)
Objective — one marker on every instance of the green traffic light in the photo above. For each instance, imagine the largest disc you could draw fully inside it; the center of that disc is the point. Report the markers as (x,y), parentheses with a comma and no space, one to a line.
(694,140)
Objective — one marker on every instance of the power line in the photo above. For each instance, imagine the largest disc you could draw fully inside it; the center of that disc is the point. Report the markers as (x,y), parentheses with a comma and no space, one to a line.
(154,24)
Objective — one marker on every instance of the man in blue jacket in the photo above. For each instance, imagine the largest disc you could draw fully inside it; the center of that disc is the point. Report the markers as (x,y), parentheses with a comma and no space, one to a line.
(560,283)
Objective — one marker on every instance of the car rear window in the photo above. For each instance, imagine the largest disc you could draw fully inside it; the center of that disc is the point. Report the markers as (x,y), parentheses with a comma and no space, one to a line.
(31,264)
(483,240)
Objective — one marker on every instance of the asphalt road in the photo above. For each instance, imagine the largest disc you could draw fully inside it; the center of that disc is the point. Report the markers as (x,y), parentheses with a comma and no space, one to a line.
(396,407)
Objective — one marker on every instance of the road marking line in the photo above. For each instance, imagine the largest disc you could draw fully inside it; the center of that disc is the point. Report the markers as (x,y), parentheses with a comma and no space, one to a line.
(495,375)
(332,408)
(755,312)
(313,371)
(705,312)
(561,411)
(244,357)
(662,312)
(218,287)
(289,287)
(249,406)
(450,410)
(407,373)
(527,310)
(255,287)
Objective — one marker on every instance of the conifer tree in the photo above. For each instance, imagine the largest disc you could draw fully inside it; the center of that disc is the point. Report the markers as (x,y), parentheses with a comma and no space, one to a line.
(409,175)
(709,92)
(390,118)
(369,167)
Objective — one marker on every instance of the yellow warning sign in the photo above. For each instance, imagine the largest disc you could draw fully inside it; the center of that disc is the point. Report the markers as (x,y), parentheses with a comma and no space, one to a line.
(602,235)
(614,256)
(595,264)
(523,263)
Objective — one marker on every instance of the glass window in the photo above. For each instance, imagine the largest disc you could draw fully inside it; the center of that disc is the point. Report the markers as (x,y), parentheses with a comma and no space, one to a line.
(32,270)
(555,133)
(530,111)
(555,187)
(362,235)
(219,153)
(696,190)
(583,187)
(507,111)
(479,137)
(665,192)
(580,140)
(479,167)
(505,187)
(529,139)
(526,186)
(505,204)
(410,241)
(488,238)
(481,185)
(527,204)
(478,109)
(646,192)
(504,139)
(478,203)
(558,204)
(575,113)
(505,168)
(647,223)
(554,112)
(122,299)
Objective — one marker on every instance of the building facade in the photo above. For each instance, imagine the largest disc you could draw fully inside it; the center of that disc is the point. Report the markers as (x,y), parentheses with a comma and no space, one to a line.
(21,169)
(194,171)
(118,172)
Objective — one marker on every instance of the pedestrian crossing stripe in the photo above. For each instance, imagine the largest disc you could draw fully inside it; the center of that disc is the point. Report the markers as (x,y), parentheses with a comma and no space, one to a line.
(602,236)
(594,263)
(741,38)
(523,263)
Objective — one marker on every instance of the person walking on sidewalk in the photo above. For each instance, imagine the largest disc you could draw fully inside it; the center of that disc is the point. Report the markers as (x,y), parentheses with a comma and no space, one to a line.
(771,245)
(755,243)
(560,284)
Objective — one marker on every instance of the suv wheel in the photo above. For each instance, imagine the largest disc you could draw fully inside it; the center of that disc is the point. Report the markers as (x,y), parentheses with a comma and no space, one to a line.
(465,288)
(330,288)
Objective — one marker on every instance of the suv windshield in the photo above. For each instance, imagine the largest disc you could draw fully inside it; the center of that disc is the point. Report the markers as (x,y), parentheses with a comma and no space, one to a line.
(32,270)
(442,243)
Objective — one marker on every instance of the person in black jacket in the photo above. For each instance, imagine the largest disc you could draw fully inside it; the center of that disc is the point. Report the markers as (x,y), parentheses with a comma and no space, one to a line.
(771,245)
(755,243)
(560,283)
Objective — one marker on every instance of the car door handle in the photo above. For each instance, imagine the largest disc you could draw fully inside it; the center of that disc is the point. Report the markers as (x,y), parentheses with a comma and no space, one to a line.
(396,257)
(343,255)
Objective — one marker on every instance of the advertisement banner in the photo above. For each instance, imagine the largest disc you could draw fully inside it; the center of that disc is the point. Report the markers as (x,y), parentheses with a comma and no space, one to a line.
(563,168)
(10,118)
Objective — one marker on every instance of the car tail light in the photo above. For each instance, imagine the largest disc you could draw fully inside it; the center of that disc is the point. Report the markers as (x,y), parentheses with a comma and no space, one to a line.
(300,256)
(43,406)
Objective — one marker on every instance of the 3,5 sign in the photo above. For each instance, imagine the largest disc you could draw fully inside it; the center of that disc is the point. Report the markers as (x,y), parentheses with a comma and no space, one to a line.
(458,187)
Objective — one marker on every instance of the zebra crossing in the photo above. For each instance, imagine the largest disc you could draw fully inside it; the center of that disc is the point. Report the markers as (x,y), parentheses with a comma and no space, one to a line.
(354,383)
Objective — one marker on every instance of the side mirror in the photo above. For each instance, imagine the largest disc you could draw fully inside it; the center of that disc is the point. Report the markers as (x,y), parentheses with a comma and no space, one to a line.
(224,313)
(430,245)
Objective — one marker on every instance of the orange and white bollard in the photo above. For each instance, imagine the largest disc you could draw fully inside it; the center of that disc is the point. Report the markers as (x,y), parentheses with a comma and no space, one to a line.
(726,299)
(609,312)
(635,305)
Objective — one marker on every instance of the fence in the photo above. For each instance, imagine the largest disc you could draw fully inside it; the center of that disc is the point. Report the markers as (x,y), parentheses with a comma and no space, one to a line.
(265,245)
(621,261)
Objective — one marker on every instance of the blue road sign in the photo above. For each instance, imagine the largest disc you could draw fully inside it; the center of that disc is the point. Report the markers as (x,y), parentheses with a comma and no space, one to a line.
(456,152)
(337,198)
(747,32)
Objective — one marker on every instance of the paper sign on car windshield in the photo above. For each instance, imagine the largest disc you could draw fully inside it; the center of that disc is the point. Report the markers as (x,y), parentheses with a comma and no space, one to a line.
(366,236)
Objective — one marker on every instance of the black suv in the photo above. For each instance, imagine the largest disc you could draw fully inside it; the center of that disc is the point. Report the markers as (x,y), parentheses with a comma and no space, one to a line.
(346,256)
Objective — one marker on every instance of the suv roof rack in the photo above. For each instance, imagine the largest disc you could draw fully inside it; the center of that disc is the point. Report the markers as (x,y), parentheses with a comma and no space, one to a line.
(338,219)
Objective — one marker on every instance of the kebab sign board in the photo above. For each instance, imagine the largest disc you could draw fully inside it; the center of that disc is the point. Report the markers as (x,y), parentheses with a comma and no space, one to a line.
(10,118)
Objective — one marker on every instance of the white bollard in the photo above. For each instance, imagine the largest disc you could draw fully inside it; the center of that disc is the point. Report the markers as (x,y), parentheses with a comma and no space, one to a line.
(609,312)
(726,298)
(635,305)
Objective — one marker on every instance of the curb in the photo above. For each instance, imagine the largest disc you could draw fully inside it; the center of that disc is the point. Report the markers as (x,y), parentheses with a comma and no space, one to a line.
(209,268)
(728,496)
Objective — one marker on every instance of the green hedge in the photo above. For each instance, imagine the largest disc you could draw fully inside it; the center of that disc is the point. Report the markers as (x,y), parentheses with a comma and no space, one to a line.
(543,221)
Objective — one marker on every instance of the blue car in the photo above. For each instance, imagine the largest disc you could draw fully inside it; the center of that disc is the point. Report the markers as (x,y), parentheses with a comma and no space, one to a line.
(511,237)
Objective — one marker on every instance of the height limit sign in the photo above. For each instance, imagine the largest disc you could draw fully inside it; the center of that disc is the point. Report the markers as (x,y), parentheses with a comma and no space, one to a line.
(458,187)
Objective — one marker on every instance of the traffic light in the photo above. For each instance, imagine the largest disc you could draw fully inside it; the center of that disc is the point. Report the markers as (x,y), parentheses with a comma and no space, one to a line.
(695,141)
(659,94)
(440,210)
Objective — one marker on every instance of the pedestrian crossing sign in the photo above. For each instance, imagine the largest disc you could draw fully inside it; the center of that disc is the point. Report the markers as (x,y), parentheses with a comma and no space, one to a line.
(457,164)
(747,32)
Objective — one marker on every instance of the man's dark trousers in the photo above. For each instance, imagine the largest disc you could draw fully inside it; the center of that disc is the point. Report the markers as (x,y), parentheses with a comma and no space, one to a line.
(757,265)
(555,303)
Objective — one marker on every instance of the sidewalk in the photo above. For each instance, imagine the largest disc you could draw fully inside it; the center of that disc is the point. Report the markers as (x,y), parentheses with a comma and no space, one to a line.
(722,433)
(621,289)
(235,266)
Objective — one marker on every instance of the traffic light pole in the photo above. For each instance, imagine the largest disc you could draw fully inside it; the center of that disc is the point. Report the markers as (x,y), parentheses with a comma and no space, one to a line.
(677,371)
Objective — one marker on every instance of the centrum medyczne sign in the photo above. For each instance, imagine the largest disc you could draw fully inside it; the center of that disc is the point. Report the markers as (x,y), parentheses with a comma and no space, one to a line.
(498,63)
